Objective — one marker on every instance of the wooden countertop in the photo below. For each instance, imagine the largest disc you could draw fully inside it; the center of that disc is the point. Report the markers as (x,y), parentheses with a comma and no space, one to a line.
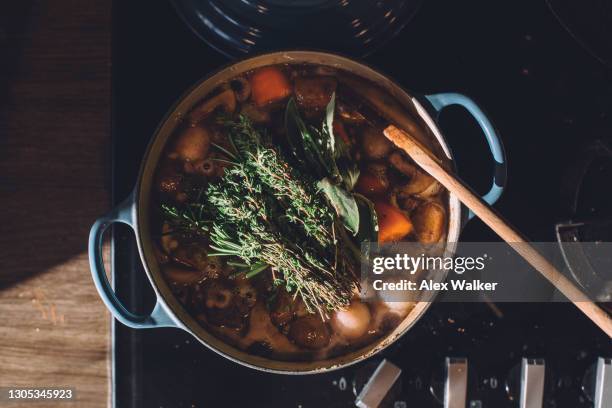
(54,181)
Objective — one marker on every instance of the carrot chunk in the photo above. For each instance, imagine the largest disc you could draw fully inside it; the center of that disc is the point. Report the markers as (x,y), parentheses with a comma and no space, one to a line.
(269,84)
(393,225)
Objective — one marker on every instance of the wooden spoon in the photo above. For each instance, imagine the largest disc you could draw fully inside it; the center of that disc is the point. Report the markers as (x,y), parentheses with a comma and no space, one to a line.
(426,160)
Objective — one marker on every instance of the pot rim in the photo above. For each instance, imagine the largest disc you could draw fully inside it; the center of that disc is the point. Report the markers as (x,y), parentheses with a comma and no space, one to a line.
(454,222)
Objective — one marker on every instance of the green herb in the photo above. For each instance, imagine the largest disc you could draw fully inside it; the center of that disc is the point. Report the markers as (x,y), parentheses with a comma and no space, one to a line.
(188,220)
(368,220)
(270,216)
(330,159)
(343,202)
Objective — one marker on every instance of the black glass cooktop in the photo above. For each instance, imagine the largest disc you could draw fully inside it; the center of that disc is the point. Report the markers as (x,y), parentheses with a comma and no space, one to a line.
(548,98)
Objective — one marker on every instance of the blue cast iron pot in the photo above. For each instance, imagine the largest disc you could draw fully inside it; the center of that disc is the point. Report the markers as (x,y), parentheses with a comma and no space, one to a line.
(135,211)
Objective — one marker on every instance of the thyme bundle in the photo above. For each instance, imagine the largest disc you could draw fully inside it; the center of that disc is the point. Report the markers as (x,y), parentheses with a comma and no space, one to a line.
(266,213)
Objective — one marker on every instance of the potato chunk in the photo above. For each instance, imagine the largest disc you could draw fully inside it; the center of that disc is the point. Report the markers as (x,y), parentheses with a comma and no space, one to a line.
(193,144)
(353,322)
(429,219)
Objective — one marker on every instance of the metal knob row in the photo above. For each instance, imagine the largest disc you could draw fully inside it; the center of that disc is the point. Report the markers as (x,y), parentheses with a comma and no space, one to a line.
(530,392)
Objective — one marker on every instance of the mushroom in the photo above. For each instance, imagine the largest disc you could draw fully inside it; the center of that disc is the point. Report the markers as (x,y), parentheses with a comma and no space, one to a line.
(168,178)
(218,297)
(241,87)
(353,322)
(247,292)
(406,203)
(192,144)
(310,332)
(420,184)
(374,143)
(428,220)
(223,306)
(213,267)
(261,329)
(226,99)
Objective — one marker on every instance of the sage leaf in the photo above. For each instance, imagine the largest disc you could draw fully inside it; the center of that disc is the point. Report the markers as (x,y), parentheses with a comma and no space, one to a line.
(343,202)
(368,220)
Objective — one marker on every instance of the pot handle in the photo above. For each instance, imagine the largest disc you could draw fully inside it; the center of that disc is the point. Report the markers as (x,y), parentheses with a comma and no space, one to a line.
(441,101)
(123,213)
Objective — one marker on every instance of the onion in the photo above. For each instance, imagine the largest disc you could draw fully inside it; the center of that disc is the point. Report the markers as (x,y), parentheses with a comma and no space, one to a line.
(353,322)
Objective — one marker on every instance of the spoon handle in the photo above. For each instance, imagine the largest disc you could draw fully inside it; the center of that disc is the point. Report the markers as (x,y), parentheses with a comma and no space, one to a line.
(515,239)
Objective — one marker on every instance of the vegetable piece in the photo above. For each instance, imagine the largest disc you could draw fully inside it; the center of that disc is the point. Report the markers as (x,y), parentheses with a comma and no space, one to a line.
(168,177)
(374,144)
(393,225)
(193,143)
(226,100)
(371,184)
(373,180)
(212,167)
(406,203)
(421,184)
(247,293)
(310,332)
(314,93)
(269,84)
(429,220)
(353,322)
(218,296)
(224,305)
(343,202)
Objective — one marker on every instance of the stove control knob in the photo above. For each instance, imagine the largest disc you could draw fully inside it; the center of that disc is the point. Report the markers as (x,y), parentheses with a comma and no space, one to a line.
(379,385)
(452,390)
(455,386)
(597,383)
(526,383)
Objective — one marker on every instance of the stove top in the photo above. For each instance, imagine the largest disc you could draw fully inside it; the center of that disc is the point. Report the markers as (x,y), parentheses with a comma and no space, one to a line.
(548,98)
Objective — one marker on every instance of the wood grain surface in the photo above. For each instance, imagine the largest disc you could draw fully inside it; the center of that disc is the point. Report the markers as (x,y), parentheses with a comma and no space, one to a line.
(54,181)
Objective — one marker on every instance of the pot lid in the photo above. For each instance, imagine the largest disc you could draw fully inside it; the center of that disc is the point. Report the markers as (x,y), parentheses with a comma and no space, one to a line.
(238,27)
